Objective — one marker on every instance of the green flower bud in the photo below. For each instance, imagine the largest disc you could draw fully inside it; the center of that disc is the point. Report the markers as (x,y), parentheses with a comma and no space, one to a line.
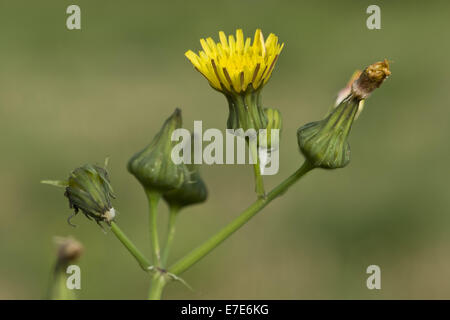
(192,191)
(153,166)
(324,143)
(273,122)
(88,189)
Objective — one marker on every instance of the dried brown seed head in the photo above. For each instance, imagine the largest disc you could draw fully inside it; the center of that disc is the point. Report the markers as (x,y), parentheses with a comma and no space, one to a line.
(370,79)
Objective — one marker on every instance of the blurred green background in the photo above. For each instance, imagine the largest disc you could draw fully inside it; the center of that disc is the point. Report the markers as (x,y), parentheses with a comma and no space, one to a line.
(72,97)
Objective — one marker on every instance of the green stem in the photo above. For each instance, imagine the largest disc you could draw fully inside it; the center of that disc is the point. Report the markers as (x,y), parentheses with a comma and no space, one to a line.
(153,199)
(58,289)
(157,286)
(174,210)
(143,262)
(259,183)
(201,251)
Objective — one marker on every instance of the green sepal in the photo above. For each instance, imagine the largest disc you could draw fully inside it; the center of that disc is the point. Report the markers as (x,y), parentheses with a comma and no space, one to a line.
(245,111)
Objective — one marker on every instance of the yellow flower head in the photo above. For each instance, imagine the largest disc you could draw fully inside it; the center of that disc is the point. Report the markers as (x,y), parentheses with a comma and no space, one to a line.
(234,65)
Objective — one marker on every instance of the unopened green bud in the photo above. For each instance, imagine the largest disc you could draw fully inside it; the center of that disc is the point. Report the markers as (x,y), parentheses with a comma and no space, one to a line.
(88,189)
(153,166)
(273,122)
(324,143)
(192,191)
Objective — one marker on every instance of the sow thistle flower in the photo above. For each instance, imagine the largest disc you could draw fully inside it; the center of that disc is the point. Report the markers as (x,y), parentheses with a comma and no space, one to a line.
(324,143)
(239,69)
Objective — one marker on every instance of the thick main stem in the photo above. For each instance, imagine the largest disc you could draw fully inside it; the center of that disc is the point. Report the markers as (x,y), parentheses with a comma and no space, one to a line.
(157,286)
(141,259)
(153,199)
(201,251)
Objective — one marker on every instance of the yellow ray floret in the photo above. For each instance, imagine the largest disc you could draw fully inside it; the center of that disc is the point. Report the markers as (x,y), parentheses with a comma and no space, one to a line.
(233,64)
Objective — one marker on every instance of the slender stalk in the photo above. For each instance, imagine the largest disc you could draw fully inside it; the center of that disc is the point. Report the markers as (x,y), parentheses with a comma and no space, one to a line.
(153,199)
(157,286)
(141,259)
(57,289)
(259,183)
(63,293)
(201,251)
(174,210)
